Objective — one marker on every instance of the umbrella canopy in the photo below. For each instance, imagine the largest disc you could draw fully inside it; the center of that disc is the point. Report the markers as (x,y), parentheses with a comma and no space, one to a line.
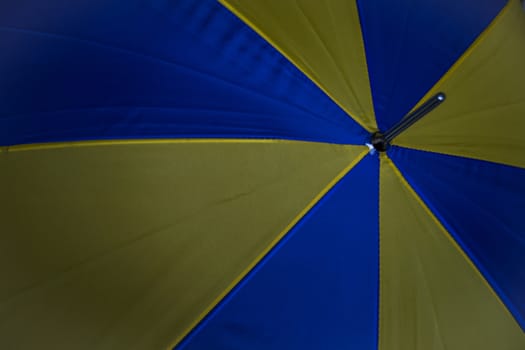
(251,174)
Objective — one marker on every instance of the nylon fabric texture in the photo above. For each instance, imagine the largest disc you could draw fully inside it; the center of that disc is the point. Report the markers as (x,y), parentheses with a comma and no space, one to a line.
(486,99)
(432,297)
(466,183)
(238,174)
(292,302)
(136,230)
(410,44)
(323,39)
(164,69)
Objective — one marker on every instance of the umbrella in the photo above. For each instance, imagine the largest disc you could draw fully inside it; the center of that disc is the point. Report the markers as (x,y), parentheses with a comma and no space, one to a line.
(262,174)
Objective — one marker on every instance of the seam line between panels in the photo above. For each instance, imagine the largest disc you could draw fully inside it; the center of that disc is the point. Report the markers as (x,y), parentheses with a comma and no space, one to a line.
(362,45)
(332,58)
(464,56)
(271,42)
(379,272)
(268,249)
(93,143)
(448,235)
(459,155)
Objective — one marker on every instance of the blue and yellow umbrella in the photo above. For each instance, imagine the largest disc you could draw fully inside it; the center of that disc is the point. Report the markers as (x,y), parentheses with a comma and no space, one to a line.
(262,174)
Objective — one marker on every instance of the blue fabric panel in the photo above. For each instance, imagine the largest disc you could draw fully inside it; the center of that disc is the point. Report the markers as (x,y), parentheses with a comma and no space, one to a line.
(482,205)
(105,69)
(410,44)
(318,288)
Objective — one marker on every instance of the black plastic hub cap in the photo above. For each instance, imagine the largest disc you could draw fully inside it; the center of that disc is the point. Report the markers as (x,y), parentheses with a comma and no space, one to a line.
(379,142)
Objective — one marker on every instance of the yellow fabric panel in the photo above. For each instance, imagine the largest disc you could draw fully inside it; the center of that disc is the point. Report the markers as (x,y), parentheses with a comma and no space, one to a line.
(126,246)
(323,39)
(484,113)
(431,296)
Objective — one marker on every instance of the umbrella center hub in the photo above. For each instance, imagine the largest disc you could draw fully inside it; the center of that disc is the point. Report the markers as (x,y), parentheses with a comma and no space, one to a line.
(379,142)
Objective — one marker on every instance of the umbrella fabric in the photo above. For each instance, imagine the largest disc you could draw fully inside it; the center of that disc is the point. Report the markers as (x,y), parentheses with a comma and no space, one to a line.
(209,175)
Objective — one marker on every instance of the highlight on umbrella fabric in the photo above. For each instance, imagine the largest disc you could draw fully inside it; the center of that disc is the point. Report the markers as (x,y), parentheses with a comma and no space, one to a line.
(248,174)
